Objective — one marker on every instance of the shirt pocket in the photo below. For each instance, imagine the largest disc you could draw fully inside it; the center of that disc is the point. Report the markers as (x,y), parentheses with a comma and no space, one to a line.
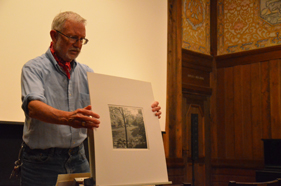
(84,99)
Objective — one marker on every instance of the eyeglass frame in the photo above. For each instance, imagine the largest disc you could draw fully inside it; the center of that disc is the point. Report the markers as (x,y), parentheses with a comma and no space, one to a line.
(72,38)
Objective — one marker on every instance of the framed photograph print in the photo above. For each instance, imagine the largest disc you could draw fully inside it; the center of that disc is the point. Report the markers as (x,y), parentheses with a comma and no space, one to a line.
(128,145)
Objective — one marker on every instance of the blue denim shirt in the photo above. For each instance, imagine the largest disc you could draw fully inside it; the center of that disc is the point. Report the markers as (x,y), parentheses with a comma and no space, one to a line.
(43,79)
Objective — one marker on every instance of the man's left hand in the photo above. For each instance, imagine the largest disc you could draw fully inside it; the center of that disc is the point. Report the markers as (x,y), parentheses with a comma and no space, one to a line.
(156,108)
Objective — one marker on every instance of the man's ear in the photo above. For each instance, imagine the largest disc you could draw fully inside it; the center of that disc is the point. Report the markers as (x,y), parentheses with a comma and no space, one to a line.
(53,35)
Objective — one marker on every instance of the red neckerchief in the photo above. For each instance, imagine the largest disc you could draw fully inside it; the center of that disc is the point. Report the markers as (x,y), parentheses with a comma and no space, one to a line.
(64,64)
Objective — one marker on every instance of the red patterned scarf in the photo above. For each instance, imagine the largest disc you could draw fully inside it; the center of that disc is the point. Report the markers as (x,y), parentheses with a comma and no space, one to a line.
(66,66)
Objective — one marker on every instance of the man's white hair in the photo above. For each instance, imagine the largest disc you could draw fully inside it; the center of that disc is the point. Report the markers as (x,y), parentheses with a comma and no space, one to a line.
(60,19)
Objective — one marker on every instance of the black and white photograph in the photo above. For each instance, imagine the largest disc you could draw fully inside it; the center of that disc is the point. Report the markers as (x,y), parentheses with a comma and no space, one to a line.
(128,129)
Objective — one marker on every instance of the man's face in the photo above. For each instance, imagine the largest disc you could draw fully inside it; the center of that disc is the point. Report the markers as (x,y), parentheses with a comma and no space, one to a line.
(63,47)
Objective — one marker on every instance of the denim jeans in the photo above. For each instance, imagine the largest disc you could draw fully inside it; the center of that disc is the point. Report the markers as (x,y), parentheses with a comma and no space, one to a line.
(41,167)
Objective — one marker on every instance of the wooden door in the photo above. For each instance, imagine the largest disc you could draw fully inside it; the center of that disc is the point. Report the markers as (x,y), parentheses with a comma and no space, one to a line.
(196,140)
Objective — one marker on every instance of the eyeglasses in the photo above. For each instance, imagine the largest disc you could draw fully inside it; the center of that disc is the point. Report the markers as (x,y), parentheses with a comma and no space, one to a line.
(74,39)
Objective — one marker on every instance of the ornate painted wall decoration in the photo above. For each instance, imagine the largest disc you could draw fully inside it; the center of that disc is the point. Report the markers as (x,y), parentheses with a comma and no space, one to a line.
(248,24)
(196,25)
(270,11)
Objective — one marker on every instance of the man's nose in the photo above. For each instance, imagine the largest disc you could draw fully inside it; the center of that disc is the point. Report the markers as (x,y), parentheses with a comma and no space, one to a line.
(78,43)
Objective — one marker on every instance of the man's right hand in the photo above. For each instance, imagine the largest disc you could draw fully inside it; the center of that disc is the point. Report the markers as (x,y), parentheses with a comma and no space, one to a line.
(84,118)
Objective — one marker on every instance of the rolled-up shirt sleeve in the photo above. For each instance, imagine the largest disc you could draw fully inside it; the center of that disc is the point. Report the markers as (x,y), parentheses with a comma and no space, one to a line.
(31,85)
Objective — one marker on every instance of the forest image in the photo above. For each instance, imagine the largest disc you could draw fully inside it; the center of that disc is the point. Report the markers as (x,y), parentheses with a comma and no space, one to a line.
(127,126)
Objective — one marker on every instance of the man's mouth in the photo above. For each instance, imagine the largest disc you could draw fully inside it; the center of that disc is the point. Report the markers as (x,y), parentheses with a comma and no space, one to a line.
(74,51)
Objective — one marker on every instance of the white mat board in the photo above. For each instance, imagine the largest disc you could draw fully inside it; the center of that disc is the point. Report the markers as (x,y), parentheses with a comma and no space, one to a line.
(126,166)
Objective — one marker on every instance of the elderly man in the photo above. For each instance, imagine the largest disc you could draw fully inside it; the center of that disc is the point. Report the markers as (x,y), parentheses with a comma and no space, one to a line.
(56,103)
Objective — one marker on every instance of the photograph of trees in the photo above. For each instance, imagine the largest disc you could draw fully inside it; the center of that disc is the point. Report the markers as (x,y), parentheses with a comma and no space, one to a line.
(127,124)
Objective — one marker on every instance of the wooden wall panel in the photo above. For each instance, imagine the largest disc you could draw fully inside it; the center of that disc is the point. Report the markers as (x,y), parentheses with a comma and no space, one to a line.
(275,98)
(256,110)
(265,100)
(246,133)
(248,110)
(220,133)
(195,77)
(238,125)
(245,106)
(229,117)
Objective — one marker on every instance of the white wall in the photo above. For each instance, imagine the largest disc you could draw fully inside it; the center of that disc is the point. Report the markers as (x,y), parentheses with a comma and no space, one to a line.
(128,38)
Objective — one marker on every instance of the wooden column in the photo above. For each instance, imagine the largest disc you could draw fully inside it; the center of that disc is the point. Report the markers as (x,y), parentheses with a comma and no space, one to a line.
(173,144)
(173,136)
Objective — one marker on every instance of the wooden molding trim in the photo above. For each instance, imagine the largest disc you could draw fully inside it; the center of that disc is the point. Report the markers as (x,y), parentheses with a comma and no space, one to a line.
(194,60)
(248,57)
(197,90)
(236,163)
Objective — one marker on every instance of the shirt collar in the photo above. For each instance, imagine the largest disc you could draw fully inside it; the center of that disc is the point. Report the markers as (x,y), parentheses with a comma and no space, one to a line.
(50,56)
(65,65)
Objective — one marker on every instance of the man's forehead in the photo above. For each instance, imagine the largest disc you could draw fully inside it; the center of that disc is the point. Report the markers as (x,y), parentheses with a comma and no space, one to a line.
(74,26)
